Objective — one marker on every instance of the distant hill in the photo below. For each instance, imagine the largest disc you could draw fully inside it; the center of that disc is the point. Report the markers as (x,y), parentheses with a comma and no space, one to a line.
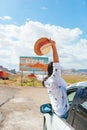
(6,69)
(74,71)
(64,71)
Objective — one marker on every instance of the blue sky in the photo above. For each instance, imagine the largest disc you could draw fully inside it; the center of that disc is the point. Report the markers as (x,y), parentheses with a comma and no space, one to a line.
(22,22)
(66,13)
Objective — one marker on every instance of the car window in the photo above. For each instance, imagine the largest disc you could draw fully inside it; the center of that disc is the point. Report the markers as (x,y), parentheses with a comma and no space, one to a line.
(83,106)
(71,96)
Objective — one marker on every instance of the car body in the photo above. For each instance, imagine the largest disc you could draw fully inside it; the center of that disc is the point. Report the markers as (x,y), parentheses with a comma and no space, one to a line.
(77,118)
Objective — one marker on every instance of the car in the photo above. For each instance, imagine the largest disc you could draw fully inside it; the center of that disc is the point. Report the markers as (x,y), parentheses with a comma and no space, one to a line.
(77,116)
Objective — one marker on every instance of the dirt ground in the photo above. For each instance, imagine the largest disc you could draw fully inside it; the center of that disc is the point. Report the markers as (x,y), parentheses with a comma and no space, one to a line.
(22,112)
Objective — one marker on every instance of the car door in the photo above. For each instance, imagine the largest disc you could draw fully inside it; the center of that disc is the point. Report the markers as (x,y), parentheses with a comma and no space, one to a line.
(78,110)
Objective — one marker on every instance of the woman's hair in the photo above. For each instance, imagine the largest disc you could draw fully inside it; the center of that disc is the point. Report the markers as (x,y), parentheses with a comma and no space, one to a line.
(50,71)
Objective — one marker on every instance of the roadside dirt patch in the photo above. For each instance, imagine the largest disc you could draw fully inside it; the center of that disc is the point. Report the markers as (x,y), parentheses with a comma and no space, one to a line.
(22,112)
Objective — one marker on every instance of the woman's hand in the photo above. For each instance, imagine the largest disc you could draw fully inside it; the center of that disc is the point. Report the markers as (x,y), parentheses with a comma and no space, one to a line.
(53,43)
(54,50)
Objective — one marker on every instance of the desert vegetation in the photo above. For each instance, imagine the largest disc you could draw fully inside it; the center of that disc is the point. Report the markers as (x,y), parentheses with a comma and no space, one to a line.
(18,80)
(74,78)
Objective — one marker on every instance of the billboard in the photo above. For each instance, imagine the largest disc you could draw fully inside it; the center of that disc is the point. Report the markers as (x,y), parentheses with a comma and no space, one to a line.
(33,63)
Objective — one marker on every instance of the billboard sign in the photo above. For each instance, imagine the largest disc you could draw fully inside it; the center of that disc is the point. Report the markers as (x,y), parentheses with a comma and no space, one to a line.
(33,63)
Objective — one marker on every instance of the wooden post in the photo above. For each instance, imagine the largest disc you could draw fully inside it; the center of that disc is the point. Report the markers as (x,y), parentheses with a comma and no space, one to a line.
(21,78)
(33,78)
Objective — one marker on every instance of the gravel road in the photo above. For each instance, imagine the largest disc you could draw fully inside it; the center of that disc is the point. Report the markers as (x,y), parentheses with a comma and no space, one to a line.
(20,110)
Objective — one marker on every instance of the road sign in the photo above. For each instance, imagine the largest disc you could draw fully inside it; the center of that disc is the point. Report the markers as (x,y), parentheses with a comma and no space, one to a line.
(33,63)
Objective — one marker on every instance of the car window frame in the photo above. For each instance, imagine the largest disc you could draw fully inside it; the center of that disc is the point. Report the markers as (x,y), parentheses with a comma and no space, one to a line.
(69,91)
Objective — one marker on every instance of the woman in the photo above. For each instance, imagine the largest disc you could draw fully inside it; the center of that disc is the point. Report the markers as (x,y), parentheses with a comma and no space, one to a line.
(56,85)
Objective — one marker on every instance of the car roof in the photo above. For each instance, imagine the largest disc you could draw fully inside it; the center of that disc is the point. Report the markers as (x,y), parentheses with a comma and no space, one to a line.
(77,85)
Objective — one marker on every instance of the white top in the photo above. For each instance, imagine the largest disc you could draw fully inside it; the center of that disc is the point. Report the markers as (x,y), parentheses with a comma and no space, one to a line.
(57,91)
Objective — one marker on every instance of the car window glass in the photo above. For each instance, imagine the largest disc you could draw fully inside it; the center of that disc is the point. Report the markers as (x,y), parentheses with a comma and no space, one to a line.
(84,105)
(83,108)
(71,96)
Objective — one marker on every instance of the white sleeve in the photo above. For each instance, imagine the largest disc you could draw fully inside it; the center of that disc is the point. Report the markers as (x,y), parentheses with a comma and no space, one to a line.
(55,78)
(56,70)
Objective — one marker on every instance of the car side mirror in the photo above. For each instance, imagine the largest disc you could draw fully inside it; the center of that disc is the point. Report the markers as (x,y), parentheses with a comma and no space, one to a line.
(46,108)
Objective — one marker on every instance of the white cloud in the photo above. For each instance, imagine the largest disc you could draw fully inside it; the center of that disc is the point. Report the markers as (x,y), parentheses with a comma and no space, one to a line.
(16,41)
(5,18)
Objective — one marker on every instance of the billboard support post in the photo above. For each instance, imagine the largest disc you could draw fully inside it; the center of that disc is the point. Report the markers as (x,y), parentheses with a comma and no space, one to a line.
(33,79)
(21,78)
